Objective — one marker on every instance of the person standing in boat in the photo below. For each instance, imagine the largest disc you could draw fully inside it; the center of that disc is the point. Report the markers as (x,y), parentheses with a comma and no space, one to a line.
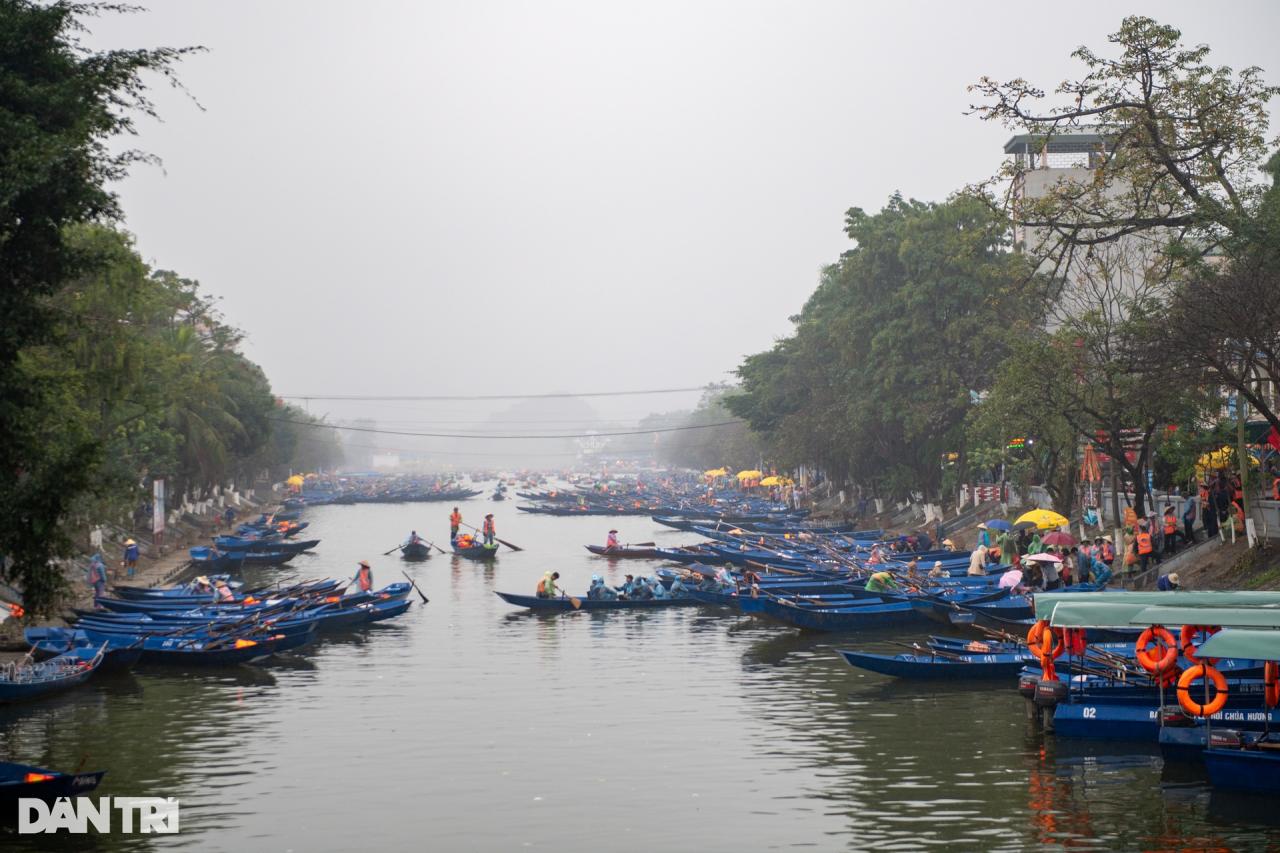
(364,576)
(455,521)
(488,529)
(611,542)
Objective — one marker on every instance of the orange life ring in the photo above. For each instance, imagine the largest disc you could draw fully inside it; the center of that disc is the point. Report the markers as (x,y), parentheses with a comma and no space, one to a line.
(1271,683)
(1190,677)
(1144,654)
(1046,641)
(1187,641)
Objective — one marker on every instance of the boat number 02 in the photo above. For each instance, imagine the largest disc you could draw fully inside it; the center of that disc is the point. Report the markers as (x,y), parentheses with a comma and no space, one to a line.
(1090,713)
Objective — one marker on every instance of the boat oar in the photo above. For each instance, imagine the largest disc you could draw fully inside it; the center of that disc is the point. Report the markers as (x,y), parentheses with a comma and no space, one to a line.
(397,548)
(503,541)
(414,583)
(642,545)
(576,602)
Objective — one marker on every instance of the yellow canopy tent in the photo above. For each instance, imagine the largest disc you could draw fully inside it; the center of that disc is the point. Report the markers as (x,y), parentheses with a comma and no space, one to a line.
(1045,519)
(771,481)
(750,475)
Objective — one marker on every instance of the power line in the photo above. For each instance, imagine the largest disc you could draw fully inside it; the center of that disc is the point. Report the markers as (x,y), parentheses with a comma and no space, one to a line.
(424,397)
(490,436)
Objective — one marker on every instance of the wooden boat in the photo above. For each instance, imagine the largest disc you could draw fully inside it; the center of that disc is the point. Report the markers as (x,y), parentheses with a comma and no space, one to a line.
(415,551)
(209,562)
(636,553)
(476,552)
(563,603)
(26,781)
(119,653)
(19,682)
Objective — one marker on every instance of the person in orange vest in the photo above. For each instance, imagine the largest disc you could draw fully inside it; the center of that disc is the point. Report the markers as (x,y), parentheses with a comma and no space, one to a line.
(488,529)
(1142,545)
(455,521)
(1237,516)
(1170,530)
(364,576)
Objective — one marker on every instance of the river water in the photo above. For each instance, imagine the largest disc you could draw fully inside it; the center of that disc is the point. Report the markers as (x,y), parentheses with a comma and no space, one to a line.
(470,725)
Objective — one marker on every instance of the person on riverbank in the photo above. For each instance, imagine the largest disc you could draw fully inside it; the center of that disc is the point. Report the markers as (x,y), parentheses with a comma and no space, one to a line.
(1143,545)
(488,529)
(96,575)
(1189,520)
(937,571)
(1168,583)
(229,516)
(881,582)
(455,521)
(547,586)
(611,541)
(1170,522)
(364,576)
(130,561)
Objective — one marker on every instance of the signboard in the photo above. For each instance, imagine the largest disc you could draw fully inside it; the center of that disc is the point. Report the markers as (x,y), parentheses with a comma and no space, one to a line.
(157,503)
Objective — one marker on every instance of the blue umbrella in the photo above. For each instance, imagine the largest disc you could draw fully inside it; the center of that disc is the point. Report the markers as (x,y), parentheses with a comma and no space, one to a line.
(998,524)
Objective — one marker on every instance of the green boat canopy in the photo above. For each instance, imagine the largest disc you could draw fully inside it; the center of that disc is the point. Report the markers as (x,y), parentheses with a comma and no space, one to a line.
(1094,614)
(1046,602)
(1241,643)
(1223,617)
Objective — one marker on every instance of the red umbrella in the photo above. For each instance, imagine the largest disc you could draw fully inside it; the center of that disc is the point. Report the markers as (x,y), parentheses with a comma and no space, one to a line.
(1059,538)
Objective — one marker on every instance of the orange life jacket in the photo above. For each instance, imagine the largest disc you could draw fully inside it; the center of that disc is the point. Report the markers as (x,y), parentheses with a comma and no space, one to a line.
(542,586)
(1275,489)
(1170,524)
(1144,543)
(488,525)
(455,519)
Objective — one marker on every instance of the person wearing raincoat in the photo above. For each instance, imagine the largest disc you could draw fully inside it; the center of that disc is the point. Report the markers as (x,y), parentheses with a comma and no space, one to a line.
(657,590)
(599,589)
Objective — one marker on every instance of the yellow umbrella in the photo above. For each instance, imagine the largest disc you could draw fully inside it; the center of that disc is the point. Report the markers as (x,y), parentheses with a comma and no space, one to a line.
(716,472)
(1045,519)
(295,480)
(1224,457)
(750,475)
(771,481)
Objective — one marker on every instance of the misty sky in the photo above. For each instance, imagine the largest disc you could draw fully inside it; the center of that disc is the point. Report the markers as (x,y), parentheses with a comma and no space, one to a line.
(438,198)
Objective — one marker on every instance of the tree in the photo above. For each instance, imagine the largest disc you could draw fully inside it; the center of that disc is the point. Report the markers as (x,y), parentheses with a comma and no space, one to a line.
(878,378)
(1183,144)
(59,105)
(733,445)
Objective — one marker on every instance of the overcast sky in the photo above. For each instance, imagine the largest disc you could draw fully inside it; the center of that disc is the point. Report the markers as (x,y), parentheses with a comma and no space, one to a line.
(452,197)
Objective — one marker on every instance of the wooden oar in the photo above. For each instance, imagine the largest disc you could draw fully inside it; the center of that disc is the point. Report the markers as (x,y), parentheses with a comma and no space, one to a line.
(397,548)
(414,583)
(641,545)
(503,541)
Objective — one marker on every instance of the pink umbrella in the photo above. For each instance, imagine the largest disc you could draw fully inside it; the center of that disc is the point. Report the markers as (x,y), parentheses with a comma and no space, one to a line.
(1042,558)
(1059,538)
(1010,579)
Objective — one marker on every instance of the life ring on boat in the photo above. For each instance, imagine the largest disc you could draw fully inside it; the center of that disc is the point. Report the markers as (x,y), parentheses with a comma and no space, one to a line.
(1151,638)
(1046,641)
(1190,677)
(1271,683)
(1187,641)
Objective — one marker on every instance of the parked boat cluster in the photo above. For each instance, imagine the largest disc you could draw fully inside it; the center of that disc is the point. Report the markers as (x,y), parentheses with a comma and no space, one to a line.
(1195,672)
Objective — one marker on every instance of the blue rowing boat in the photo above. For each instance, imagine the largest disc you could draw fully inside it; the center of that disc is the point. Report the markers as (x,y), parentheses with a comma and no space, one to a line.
(22,681)
(934,667)
(476,552)
(564,603)
(26,781)
(846,618)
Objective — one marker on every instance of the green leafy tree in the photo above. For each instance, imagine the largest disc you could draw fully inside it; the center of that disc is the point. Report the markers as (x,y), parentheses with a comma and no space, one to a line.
(60,104)
(878,377)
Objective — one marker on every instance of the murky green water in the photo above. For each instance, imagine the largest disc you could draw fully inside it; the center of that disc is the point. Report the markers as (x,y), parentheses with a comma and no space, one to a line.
(468,725)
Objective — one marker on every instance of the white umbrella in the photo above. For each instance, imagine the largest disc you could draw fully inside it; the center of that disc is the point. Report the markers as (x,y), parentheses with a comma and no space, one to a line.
(1042,558)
